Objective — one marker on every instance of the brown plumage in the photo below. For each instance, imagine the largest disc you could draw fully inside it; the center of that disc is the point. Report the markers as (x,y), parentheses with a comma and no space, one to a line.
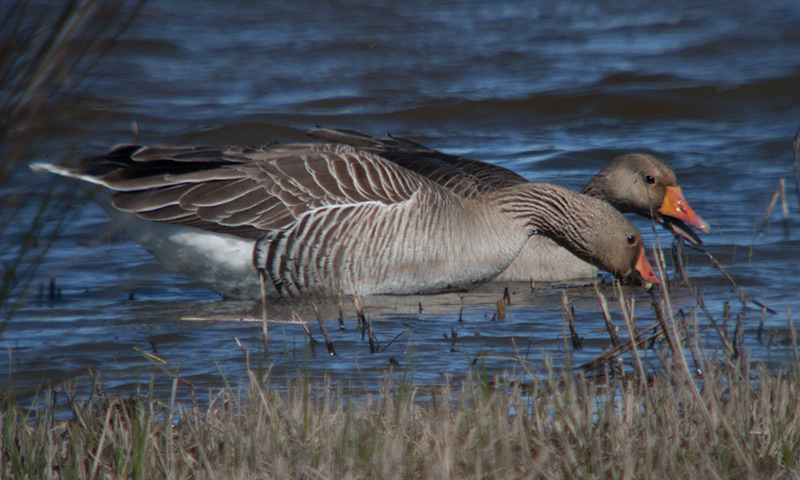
(632,183)
(326,218)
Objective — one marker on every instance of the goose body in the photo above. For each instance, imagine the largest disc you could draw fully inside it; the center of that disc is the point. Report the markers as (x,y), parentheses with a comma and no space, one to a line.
(632,183)
(328,218)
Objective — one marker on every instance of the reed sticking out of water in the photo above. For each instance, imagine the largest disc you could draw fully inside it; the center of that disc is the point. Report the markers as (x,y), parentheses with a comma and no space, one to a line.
(569,314)
(741,423)
(306,328)
(365,323)
(610,327)
(780,192)
(501,310)
(324,329)
(262,278)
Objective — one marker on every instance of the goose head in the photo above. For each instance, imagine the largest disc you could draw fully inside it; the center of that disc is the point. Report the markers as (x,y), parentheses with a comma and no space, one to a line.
(646,185)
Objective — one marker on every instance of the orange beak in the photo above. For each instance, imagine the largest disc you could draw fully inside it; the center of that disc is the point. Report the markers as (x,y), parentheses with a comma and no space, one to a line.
(675,206)
(645,270)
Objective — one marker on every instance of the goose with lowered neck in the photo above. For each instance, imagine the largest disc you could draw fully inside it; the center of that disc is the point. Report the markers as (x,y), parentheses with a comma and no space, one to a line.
(633,183)
(323,218)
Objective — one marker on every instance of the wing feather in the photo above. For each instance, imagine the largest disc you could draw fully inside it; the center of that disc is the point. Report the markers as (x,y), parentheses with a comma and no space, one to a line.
(461,175)
(248,190)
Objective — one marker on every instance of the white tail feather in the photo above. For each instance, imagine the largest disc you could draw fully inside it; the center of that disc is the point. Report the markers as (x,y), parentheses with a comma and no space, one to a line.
(40,167)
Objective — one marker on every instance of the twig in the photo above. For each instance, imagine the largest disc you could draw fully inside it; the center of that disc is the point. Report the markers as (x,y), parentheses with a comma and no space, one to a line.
(661,320)
(641,342)
(760,333)
(738,337)
(307,327)
(610,327)
(764,307)
(501,310)
(454,337)
(362,319)
(262,275)
(392,341)
(324,329)
(691,339)
(366,325)
(577,340)
(716,263)
(677,251)
(793,334)
(630,325)
(772,203)
(720,330)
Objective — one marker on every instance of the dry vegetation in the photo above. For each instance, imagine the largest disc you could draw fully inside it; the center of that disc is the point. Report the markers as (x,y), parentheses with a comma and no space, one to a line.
(621,421)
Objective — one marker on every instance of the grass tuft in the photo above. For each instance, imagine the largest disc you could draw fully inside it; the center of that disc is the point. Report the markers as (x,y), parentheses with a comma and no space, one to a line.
(733,422)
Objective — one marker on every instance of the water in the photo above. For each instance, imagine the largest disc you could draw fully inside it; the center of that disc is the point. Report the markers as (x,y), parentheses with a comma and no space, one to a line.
(551,91)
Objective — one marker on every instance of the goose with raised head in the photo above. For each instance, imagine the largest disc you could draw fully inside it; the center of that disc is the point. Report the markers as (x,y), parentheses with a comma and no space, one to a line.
(633,183)
(324,218)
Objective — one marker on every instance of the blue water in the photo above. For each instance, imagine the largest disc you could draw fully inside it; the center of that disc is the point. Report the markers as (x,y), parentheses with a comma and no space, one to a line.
(553,90)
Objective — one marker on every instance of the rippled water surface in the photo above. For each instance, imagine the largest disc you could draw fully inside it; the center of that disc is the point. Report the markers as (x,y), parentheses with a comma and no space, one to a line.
(553,91)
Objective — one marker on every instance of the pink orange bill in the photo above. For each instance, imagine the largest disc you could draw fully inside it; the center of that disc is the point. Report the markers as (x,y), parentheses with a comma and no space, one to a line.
(645,270)
(675,206)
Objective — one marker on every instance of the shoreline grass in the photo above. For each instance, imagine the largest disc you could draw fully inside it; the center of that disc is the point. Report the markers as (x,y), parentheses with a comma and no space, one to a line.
(732,421)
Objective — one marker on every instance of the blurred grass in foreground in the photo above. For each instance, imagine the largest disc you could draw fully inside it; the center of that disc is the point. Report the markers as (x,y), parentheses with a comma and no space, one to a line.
(46,53)
(718,418)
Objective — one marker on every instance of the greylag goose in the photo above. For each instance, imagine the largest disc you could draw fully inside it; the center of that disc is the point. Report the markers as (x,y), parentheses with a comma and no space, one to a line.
(327,218)
(632,183)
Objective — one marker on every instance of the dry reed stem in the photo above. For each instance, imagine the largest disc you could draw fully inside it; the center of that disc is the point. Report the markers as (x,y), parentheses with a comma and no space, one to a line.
(362,319)
(772,203)
(610,327)
(642,340)
(793,334)
(563,426)
(716,263)
(780,192)
(569,313)
(679,358)
(324,329)
(784,205)
(306,328)
(365,323)
(677,251)
(501,310)
(630,325)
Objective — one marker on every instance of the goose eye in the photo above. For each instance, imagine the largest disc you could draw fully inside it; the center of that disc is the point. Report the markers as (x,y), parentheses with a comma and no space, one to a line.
(650,179)
(631,240)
